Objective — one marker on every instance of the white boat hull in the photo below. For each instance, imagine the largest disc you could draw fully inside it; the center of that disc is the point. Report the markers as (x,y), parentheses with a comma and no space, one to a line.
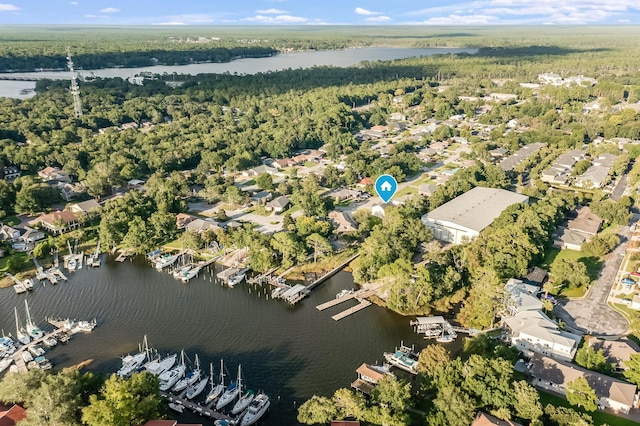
(256,410)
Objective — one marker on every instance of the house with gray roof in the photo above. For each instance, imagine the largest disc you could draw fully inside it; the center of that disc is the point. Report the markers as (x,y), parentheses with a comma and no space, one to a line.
(277,204)
(556,375)
(463,218)
(201,225)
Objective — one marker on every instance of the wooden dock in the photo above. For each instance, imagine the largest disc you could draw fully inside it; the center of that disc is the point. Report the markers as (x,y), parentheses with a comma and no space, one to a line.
(332,272)
(196,408)
(363,304)
(335,302)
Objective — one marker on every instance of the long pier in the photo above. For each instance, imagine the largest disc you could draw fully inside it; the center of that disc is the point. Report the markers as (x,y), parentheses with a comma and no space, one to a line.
(195,407)
(363,304)
(331,273)
(359,295)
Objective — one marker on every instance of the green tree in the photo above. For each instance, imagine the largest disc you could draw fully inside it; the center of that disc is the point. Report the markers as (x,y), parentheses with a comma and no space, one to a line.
(265,181)
(349,404)
(125,402)
(458,407)
(7,198)
(433,358)
(317,409)
(587,357)
(632,373)
(569,273)
(580,393)
(289,247)
(526,401)
(318,244)
(562,416)
(392,393)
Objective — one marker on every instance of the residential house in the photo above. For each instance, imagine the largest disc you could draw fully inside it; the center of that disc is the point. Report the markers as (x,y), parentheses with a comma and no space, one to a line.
(617,352)
(503,97)
(67,191)
(31,235)
(378,210)
(261,197)
(11,172)
(364,182)
(54,174)
(498,153)
(550,78)
(278,204)
(57,222)
(85,206)
(136,185)
(427,189)
(522,297)
(257,171)
(569,239)
(9,233)
(343,222)
(200,225)
(520,155)
(104,130)
(283,163)
(344,194)
(130,125)
(556,375)
(397,116)
(635,303)
(536,276)
(368,378)
(594,177)
(10,415)
(586,221)
(183,219)
(484,419)
(397,126)
(533,332)
(573,234)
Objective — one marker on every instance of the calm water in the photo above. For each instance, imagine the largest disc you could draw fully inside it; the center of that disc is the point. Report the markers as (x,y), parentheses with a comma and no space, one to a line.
(289,352)
(338,58)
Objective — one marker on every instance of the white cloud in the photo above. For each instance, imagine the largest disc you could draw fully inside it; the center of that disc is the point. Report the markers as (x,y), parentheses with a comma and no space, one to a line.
(6,7)
(462,20)
(93,16)
(74,3)
(362,11)
(186,19)
(271,11)
(382,18)
(279,19)
(110,10)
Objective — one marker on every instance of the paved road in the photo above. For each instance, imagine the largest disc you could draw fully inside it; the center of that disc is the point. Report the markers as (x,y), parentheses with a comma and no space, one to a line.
(618,191)
(592,315)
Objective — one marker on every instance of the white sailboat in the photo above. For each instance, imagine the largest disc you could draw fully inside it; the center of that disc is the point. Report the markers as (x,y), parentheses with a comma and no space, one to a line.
(20,334)
(216,390)
(131,363)
(159,366)
(189,379)
(33,330)
(229,394)
(244,400)
(171,377)
(256,410)
(197,388)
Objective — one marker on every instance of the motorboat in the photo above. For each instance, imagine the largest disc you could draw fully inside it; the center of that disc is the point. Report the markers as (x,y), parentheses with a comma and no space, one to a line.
(189,379)
(179,273)
(216,390)
(131,363)
(402,359)
(256,410)
(19,288)
(276,292)
(159,366)
(5,363)
(26,356)
(343,293)
(43,363)
(63,337)
(72,265)
(235,279)
(176,406)
(225,422)
(232,391)
(197,388)
(446,338)
(190,274)
(243,402)
(85,326)
(28,284)
(50,342)
(166,260)
(6,345)
(36,350)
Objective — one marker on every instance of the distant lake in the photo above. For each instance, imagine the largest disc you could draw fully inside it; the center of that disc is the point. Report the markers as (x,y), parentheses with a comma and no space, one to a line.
(282,61)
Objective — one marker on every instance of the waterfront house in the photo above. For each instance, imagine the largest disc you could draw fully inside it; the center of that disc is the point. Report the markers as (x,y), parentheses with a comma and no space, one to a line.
(201,225)
(522,296)
(554,375)
(367,379)
(257,171)
(9,233)
(484,419)
(183,219)
(531,331)
(278,204)
(57,222)
(31,235)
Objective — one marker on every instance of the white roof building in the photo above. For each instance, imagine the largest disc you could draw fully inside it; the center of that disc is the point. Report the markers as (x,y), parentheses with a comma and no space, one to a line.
(463,218)
(533,331)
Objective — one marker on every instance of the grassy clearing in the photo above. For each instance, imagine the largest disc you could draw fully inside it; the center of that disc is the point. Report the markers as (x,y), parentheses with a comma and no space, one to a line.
(599,418)
(593,264)
(11,220)
(323,265)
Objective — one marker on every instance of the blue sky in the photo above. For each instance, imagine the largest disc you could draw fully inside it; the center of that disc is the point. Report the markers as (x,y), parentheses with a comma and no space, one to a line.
(323,12)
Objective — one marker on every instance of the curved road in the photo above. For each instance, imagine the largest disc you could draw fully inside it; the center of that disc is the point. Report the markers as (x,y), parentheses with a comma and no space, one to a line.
(592,315)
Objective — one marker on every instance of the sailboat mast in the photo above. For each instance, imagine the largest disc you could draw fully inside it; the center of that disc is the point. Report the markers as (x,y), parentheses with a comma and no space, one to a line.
(17,322)
(221,370)
(26,307)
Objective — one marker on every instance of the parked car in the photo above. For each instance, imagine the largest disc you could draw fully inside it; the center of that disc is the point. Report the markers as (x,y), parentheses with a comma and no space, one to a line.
(628,281)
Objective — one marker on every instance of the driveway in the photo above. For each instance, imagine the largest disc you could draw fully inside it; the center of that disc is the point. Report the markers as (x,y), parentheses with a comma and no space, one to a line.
(591,314)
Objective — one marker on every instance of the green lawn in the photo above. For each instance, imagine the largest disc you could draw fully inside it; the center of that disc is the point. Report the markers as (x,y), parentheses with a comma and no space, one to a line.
(409,190)
(11,220)
(593,264)
(599,418)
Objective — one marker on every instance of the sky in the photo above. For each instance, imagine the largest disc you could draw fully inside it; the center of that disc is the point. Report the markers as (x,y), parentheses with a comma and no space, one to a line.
(323,12)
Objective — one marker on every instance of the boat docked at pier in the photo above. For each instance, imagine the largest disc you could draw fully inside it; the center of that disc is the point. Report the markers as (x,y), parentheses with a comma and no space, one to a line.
(159,366)
(166,260)
(170,377)
(131,363)
(189,379)
(22,337)
(216,390)
(402,359)
(5,363)
(197,388)
(28,284)
(256,410)
(33,330)
(179,273)
(190,274)
(232,391)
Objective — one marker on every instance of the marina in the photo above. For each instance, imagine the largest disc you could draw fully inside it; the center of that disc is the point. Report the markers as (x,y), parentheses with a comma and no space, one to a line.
(131,299)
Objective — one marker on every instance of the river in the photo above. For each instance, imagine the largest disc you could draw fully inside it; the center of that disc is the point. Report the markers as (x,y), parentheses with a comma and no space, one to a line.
(290,352)
(338,58)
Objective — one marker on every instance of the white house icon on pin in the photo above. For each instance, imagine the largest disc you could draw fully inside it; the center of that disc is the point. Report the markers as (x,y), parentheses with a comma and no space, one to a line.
(386,186)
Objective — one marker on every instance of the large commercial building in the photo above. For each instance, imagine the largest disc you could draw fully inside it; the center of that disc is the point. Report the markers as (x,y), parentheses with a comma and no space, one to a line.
(463,218)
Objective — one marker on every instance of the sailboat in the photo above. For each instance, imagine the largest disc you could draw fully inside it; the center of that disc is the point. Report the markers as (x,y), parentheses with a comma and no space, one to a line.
(170,377)
(20,334)
(131,363)
(197,388)
(189,379)
(229,394)
(216,390)
(33,330)
(244,400)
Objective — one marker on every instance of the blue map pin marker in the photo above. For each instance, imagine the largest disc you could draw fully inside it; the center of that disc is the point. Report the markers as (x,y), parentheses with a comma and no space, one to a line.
(386,186)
